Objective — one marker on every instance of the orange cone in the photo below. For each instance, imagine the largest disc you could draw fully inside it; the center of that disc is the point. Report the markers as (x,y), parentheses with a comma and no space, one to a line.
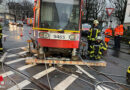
(21,34)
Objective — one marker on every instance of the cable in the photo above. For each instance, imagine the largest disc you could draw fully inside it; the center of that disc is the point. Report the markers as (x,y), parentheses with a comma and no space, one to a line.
(99,73)
(47,74)
(75,77)
(113,83)
(9,76)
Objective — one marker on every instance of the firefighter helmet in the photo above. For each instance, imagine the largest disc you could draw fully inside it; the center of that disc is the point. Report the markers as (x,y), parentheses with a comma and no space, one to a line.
(95,22)
(99,38)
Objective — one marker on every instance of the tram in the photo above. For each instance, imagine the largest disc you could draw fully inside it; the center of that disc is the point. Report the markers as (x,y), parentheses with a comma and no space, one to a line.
(57,25)
(57,28)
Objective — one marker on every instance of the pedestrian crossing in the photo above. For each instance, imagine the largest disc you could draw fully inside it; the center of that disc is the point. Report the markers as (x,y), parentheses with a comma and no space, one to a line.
(26,82)
(14,55)
(61,85)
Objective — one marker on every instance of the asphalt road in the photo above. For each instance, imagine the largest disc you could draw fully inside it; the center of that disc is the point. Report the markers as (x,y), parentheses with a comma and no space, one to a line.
(75,77)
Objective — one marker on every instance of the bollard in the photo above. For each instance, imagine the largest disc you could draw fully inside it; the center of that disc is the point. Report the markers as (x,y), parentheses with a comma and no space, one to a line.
(1,47)
(30,31)
(29,47)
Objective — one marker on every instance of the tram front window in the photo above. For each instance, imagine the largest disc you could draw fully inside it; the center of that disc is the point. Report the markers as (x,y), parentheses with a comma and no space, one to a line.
(60,14)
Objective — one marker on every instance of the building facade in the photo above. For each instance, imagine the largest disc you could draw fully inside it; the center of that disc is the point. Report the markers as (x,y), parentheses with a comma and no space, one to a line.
(127,16)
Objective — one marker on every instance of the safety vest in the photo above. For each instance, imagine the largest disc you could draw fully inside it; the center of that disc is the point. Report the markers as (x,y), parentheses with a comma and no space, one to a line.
(117,31)
(121,32)
(93,34)
(108,32)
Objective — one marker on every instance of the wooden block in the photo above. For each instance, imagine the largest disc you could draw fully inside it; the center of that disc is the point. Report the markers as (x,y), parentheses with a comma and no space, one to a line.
(89,63)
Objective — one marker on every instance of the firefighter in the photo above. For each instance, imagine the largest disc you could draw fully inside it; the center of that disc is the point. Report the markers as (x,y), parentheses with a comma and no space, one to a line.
(1,48)
(97,49)
(118,33)
(93,33)
(108,34)
(128,75)
(116,37)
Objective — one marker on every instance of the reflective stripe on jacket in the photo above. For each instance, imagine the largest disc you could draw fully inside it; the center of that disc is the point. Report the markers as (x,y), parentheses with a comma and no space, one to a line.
(93,34)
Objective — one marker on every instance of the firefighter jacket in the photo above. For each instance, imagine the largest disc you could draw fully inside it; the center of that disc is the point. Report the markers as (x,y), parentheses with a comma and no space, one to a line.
(128,75)
(94,33)
(128,70)
(97,49)
(0,31)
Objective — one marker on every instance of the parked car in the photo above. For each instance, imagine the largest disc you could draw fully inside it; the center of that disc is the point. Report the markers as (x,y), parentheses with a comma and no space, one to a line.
(85,28)
(19,23)
(11,22)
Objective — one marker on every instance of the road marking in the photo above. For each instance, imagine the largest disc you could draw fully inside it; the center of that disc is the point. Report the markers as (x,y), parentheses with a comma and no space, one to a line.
(14,55)
(15,48)
(66,83)
(85,72)
(7,73)
(26,67)
(3,57)
(37,76)
(15,61)
(41,74)
(20,69)
(99,87)
(20,85)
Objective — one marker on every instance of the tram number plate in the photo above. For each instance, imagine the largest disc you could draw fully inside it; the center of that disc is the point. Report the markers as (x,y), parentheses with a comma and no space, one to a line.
(59,37)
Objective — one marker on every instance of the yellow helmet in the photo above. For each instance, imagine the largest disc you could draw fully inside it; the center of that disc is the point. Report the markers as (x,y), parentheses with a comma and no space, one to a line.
(95,22)
(99,38)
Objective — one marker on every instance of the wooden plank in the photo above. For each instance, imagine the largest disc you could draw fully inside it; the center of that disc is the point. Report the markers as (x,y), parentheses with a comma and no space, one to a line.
(89,63)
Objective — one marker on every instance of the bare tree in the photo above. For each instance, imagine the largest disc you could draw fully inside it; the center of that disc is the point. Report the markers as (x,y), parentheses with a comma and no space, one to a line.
(120,9)
(1,1)
(21,10)
(94,9)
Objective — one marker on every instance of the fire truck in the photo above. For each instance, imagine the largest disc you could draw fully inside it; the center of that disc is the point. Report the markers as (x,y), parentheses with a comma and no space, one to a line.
(57,27)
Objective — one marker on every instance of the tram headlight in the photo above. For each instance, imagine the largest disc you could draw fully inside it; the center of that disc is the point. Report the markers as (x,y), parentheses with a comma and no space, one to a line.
(43,35)
(72,37)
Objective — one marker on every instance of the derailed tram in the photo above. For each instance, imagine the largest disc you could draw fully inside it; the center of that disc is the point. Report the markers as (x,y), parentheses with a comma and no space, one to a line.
(57,27)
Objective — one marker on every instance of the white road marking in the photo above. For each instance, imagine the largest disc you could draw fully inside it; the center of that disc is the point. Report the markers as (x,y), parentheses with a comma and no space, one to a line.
(21,85)
(99,87)
(41,74)
(85,72)
(7,73)
(26,66)
(14,55)
(15,48)
(20,69)
(37,76)
(3,57)
(15,61)
(66,83)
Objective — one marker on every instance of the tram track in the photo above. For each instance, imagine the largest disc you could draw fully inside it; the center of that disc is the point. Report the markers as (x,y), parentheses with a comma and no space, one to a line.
(31,79)
(109,78)
(68,72)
